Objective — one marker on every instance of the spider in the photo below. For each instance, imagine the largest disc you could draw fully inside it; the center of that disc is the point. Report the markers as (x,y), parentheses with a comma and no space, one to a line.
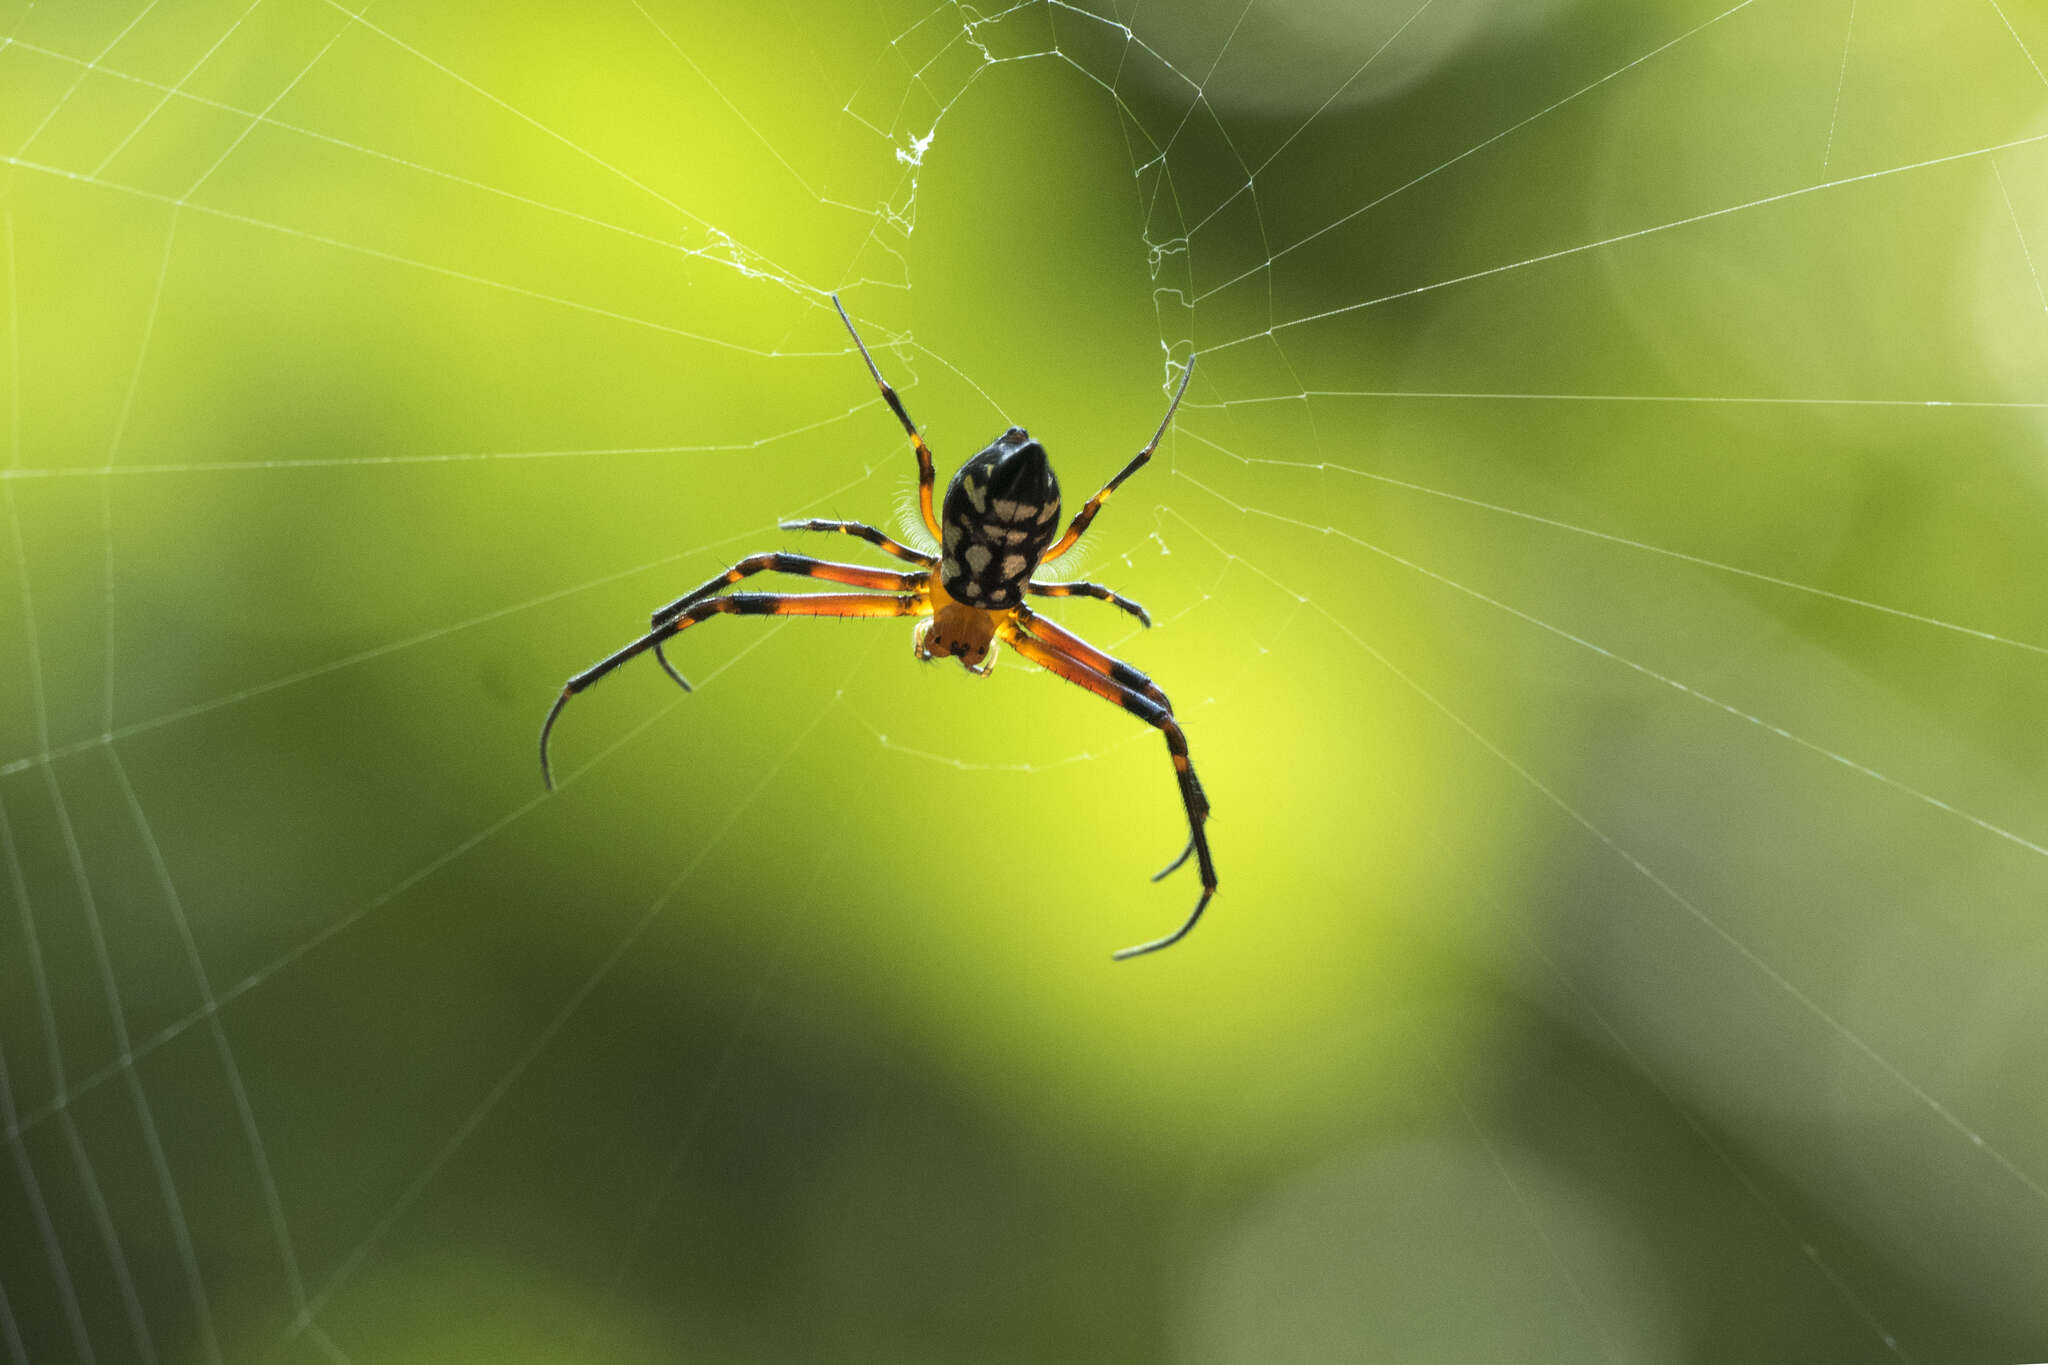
(999,517)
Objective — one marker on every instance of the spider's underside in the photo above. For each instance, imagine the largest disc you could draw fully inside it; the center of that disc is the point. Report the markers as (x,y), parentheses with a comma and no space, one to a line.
(998,519)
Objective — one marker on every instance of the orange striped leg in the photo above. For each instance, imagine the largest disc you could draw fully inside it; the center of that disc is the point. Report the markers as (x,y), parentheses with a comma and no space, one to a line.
(1101,661)
(1115,599)
(1094,504)
(848,604)
(859,575)
(868,533)
(776,561)
(1116,670)
(926,474)
(1076,671)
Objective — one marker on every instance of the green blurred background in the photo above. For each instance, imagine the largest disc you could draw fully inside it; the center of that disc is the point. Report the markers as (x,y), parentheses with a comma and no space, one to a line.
(1598,565)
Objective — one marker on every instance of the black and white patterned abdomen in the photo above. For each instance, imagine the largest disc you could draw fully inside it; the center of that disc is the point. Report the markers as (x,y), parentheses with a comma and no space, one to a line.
(1001,512)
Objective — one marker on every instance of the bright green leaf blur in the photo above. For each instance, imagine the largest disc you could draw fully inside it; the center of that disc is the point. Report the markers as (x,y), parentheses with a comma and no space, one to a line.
(1598,565)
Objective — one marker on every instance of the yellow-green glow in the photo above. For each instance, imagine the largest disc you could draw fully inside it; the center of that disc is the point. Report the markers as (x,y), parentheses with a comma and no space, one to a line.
(1598,565)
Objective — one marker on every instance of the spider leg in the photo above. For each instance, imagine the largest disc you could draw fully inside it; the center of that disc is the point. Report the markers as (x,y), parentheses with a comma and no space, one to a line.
(670,669)
(859,575)
(1116,670)
(776,561)
(1094,504)
(845,604)
(867,533)
(926,475)
(1099,660)
(1174,866)
(1077,670)
(1115,599)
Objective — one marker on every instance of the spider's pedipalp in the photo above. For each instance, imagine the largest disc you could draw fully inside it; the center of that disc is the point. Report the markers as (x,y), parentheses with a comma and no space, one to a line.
(957,630)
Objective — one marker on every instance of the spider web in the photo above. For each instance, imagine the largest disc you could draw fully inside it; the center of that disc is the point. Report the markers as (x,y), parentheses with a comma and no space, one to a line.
(1596,563)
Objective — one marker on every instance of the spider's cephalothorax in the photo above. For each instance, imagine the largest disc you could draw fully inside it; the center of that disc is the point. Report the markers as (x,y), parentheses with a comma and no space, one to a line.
(1000,513)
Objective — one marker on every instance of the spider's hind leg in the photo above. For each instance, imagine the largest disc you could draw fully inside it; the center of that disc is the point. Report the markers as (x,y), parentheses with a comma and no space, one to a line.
(926,472)
(1079,524)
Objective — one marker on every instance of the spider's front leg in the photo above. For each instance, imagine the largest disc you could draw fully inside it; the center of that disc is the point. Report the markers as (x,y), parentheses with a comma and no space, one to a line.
(776,561)
(843,604)
(1099,660)
(1070,665)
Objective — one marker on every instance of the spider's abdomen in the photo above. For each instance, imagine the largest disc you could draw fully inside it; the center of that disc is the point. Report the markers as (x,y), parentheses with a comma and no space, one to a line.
(1002,510)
